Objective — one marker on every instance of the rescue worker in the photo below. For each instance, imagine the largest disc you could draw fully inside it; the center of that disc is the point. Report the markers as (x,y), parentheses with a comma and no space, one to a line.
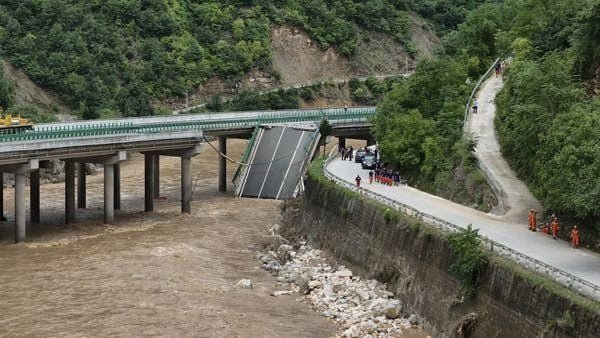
(554,226)
(534,221)
(575,237)
(530,218)
(370,176)
(357,181)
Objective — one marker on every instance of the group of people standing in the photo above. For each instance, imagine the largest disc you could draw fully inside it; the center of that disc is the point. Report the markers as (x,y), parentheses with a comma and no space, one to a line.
(346,153)
(552,226)
(384,176)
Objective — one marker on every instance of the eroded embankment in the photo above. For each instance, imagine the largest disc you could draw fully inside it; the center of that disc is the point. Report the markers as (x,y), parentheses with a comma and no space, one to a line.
(415,261)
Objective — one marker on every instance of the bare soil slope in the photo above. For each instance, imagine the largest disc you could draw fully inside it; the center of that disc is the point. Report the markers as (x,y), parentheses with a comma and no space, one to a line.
(27,92)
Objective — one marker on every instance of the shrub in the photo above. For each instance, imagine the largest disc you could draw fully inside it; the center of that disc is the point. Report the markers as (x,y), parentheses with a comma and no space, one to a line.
(470,260)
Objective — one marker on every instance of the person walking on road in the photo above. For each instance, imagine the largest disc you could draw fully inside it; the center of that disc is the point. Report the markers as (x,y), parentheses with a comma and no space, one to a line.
(349,153)
(370,176)
(575,237)
(554,226)
(475,105)
(358,181)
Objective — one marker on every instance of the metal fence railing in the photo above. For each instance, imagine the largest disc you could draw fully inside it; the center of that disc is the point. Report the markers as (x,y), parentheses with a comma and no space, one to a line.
(571,281)
(194,123)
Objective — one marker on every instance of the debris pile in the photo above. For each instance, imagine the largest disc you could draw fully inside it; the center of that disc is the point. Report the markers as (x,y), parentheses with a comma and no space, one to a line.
(362,308)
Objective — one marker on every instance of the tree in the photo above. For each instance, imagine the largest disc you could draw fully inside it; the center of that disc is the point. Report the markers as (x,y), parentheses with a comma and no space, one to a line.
(6,90)
(325,130)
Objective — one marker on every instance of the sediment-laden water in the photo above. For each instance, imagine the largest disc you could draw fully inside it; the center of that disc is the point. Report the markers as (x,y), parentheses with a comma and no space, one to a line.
(149,274)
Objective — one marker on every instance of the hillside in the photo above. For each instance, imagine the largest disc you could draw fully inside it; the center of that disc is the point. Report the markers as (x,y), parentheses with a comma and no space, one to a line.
(125,57)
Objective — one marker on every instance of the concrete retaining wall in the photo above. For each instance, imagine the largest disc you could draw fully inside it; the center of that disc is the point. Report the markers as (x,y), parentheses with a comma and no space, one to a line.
(415,261)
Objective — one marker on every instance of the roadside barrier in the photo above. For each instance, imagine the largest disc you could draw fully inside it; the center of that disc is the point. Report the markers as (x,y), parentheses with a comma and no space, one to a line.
(196,122)
(571,281)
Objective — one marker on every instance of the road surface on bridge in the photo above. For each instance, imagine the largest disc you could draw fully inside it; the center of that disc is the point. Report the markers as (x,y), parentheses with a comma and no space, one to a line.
(509,229)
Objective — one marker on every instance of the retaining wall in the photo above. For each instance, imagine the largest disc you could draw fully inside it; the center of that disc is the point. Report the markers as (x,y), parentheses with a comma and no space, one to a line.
(415,259)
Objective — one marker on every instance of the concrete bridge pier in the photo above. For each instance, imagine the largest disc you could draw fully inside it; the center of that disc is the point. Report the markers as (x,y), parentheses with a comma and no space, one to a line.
(110,184)
(156,176)
(222,163)
(149,173)
(81,185)
(20,171)
(69,191)
(186,184)
(371,141)
(342,142)
(2,218)
(109,193)
(186,175)
(34,196)
(117,186)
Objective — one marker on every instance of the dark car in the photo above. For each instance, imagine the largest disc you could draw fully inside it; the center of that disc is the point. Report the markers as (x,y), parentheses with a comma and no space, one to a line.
(358,157)
(369,161)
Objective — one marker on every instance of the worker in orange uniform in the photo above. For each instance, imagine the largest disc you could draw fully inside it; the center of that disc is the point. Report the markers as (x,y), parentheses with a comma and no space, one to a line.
(532,220)
(554,226)
(575,237)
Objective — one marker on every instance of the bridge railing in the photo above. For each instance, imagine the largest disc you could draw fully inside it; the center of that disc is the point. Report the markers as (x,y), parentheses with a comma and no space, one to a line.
(128,127)
(569,280)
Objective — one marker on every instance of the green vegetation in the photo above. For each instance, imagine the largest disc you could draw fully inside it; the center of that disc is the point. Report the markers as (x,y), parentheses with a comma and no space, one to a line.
(123,55)
(470,261)
(254,100)
(6,91)
(548,120)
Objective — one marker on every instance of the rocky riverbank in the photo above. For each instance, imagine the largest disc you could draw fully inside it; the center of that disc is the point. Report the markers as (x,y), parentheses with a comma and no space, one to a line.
(360,307)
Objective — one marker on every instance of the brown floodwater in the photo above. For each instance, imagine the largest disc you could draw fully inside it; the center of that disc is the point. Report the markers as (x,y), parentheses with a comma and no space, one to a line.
(149,274)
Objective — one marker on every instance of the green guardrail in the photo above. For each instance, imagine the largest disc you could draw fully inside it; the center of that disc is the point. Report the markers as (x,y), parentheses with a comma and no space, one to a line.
(246,152)
(128,127)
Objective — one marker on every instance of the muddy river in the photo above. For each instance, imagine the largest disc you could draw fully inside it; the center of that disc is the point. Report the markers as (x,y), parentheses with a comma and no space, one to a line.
(148,274)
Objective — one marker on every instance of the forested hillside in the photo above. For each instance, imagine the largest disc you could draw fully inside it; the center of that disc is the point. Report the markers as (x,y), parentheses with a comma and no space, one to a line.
(119,55)
(549,113)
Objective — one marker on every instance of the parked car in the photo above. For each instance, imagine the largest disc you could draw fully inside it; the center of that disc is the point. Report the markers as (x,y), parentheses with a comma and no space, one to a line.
(358,156)
(369,161)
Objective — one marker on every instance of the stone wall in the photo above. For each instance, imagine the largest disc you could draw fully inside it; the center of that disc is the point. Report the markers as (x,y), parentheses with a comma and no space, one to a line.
(415,259)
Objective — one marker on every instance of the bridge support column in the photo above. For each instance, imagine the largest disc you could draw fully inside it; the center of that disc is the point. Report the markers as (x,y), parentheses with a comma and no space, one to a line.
(109,197)
(20,215)
(149,182)
(81,183)
(117,186)
(34,196)
(371,141)
(186,184)
(342,142)
(222,163)
(156,176)
(20,225)
(69,191)
(2,218)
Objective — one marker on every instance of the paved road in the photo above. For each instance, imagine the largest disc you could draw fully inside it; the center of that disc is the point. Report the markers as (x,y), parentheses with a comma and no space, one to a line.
(509,229)
(515,197)
(582,263)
